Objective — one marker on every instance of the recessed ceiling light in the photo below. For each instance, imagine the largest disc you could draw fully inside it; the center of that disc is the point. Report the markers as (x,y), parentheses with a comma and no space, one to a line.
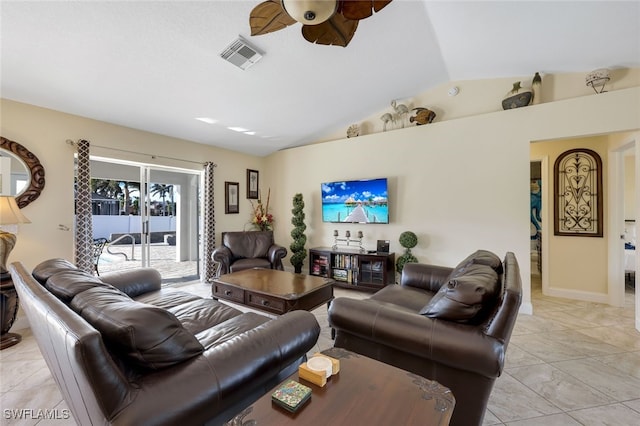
(250,133)
(207,120)
(238,129)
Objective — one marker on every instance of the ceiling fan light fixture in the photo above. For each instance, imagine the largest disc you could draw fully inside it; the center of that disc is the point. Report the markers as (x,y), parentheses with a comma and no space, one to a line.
(310,12)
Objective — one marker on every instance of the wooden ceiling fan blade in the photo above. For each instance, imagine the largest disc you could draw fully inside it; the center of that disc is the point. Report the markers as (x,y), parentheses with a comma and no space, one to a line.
(337,31)
(361,9)
(379,4)
(269,16)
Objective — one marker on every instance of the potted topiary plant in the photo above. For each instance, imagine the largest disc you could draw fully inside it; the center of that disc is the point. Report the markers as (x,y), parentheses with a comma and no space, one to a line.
(408,240)
(299,239)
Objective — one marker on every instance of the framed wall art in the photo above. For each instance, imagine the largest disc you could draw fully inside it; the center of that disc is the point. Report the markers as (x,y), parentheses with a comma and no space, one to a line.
(578,194)
(231,201)
(253,180)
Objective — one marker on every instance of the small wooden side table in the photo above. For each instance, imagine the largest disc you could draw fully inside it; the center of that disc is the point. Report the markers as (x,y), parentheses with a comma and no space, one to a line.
(8,311)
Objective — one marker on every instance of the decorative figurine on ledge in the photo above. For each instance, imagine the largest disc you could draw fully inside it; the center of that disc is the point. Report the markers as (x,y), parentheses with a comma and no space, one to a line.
(400,111)
(347,240)
(423,116)
(517,97)
(353,131)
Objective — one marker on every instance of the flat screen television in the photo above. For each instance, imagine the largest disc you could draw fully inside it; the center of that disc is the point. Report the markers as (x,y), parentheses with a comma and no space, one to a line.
(355,201)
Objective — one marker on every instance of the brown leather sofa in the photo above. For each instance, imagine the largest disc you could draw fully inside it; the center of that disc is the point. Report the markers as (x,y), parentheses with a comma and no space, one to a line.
(248,249)
(451,325)
(125,351)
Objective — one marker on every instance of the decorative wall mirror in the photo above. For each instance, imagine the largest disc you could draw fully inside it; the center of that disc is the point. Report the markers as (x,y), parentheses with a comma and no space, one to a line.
(21,173)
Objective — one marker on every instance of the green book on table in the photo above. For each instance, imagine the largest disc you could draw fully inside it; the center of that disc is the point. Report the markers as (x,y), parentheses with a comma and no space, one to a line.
(291,395)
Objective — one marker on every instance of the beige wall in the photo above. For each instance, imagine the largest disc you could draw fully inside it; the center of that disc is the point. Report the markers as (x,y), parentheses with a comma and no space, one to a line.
(44,132)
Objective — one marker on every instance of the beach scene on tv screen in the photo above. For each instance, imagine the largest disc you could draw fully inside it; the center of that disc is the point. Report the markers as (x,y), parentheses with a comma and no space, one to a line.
(357,201)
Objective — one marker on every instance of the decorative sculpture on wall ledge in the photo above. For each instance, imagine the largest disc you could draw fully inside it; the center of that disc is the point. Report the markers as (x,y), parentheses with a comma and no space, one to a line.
(396,118)
(517,97)
(386,119)
(597,79)
(353,131)
(400,112)
(536,88)
(422,116)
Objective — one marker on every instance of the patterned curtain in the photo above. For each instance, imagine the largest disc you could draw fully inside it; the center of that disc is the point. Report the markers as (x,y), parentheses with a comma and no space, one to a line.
(84,228)
(209,234)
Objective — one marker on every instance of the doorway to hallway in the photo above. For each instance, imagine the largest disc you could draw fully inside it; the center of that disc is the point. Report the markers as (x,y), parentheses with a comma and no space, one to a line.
(536,219)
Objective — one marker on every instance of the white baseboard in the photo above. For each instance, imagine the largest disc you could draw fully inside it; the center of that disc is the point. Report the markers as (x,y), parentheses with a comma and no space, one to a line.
(585,296)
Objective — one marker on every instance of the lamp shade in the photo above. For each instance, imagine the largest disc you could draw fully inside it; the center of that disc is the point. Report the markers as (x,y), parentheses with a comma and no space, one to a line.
(10,213)
(310,12)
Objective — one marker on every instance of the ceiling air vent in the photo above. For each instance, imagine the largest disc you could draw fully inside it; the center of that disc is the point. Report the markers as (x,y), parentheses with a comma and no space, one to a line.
(240,54)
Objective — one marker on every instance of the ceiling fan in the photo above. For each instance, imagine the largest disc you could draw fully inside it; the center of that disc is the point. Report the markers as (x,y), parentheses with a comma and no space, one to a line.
(329,22)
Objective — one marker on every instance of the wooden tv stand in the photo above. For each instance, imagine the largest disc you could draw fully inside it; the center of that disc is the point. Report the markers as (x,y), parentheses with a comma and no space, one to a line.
(352,268)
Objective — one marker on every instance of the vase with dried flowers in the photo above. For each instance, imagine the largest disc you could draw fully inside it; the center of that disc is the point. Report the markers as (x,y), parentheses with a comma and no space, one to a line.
(261,219)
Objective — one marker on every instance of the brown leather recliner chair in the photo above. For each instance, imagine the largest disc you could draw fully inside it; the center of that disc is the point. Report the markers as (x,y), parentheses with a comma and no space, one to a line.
(248,249)
(451,325)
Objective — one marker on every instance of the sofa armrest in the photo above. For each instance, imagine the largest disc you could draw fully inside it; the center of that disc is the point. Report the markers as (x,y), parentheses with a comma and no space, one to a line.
(423,276)
(206,385)
(276,254)
(222,255)
(444,342)
(134,282)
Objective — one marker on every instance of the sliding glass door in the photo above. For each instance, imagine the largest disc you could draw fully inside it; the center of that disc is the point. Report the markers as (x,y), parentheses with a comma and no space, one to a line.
(170,222)
(150,215)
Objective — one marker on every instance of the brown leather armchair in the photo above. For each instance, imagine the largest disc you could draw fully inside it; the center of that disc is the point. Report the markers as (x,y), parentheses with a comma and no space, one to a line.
(451,325)
(248,249)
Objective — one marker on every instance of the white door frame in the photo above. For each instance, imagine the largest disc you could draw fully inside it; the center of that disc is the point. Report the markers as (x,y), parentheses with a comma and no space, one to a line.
(546,222)
(616,287)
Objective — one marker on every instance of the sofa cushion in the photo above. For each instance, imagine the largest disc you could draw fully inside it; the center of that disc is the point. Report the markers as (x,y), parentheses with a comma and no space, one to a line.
(46,269)
(148,336)
(201,314)
(67,283)
(479,257)
(250,263)
(248,244)
(465,298)
(134,282)
(167,298)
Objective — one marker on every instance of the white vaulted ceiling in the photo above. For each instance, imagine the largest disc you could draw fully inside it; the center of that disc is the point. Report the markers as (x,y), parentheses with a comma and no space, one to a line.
(155,65)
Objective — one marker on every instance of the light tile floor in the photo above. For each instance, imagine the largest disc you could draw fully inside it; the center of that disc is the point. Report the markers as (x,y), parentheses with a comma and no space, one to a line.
(571,363)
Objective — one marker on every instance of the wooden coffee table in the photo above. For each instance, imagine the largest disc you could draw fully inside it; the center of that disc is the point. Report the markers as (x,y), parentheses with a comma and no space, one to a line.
(273,291)
(364,392)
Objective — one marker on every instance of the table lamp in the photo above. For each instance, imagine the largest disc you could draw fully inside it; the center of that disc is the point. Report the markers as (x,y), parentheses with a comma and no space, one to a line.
(9,215)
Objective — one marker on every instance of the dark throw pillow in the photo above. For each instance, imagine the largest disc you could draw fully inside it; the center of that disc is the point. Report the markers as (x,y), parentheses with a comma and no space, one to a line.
(479,257)
(465,298)
(148,336)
